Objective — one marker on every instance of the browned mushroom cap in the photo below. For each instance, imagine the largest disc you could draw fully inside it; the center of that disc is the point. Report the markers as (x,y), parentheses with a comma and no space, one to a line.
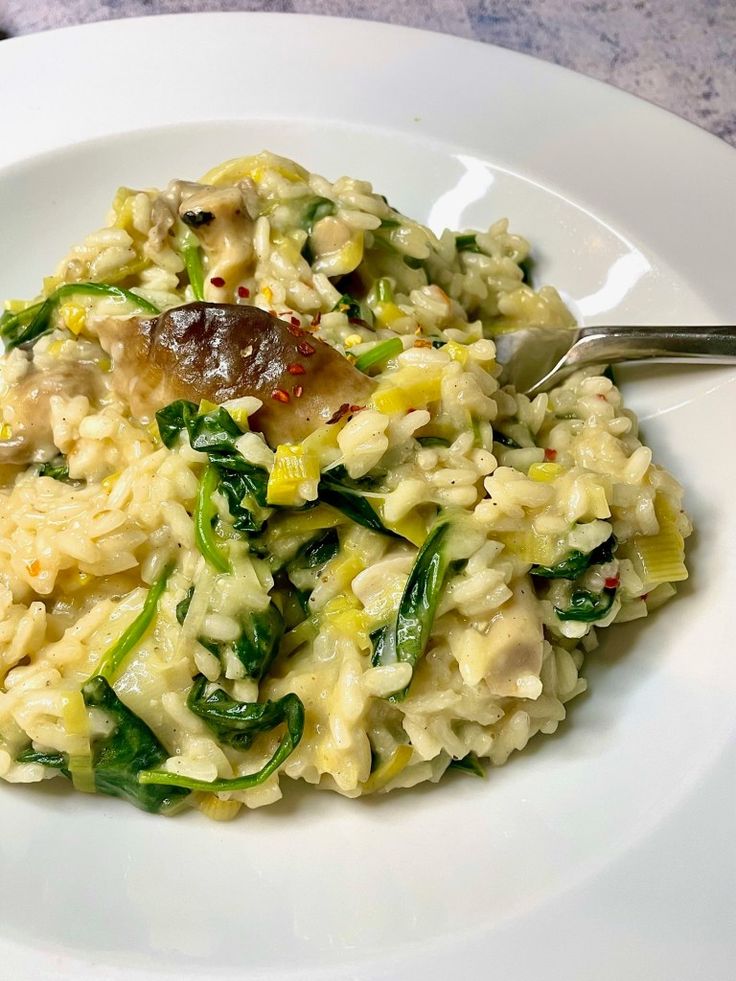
(220,351)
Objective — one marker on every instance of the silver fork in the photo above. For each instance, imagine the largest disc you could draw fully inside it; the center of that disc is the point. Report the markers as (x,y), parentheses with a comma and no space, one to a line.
(535,359)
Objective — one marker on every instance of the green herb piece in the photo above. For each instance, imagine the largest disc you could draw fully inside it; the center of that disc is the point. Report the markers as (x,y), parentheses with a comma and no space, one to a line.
(349,306)
(192,255)
(58,469)
(379,354)
(421,595)
(316,209)
(111,661)
(469,764)
(587,607)
(577,562)
(242,721)
(30,324)
(204,515)
(503,440)
(467,243)
(429,441)
(117,758)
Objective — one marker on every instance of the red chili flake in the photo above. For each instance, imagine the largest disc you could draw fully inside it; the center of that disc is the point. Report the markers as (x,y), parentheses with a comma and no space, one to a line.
(295,322)
(305,348)
(550,455)
(611,582)
(316,319)
(295,329)
(298,391)
(243,292)
(339,413)
(357,408)
(280,395)
(296,369)
(217,281)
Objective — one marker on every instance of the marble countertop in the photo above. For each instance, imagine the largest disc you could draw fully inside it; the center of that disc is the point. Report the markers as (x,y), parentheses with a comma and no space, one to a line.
(680,54)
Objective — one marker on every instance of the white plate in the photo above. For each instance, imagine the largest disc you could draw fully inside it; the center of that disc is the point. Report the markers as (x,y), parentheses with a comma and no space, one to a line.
(607,851)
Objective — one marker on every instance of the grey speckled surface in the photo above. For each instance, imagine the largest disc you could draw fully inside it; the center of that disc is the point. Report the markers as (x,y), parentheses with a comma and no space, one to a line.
(680,54)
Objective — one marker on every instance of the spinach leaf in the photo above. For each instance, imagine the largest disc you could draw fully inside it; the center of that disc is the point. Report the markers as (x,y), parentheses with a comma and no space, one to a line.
(317,552)
(383,641)
(112,659)
(241,721)
(316,209)
(419,600)
(432,441)
(504,440)
(527,267)
(243,484)
(587,607)
(349,306)
(118,758)
(235,723)
(58,469)
(130,748)
(59,761)
(350,501)
(468,764)
(173,418)
(413,263)
(467,243)
(205,513)
(182,607)
(577,562)
(30,324)
(389,223)
(258,643)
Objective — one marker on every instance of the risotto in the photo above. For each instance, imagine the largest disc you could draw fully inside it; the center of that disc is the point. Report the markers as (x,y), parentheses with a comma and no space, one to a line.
(266,511)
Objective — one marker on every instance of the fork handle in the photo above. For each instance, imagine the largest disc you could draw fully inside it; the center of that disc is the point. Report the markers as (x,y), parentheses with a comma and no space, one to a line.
(609,345)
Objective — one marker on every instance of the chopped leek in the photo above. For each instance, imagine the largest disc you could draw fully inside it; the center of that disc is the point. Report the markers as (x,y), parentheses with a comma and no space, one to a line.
(388,770)
(379,354)
(192,255)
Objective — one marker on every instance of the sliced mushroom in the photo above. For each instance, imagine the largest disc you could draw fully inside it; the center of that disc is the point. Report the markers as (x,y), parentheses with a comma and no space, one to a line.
(220,351)
(29,415)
